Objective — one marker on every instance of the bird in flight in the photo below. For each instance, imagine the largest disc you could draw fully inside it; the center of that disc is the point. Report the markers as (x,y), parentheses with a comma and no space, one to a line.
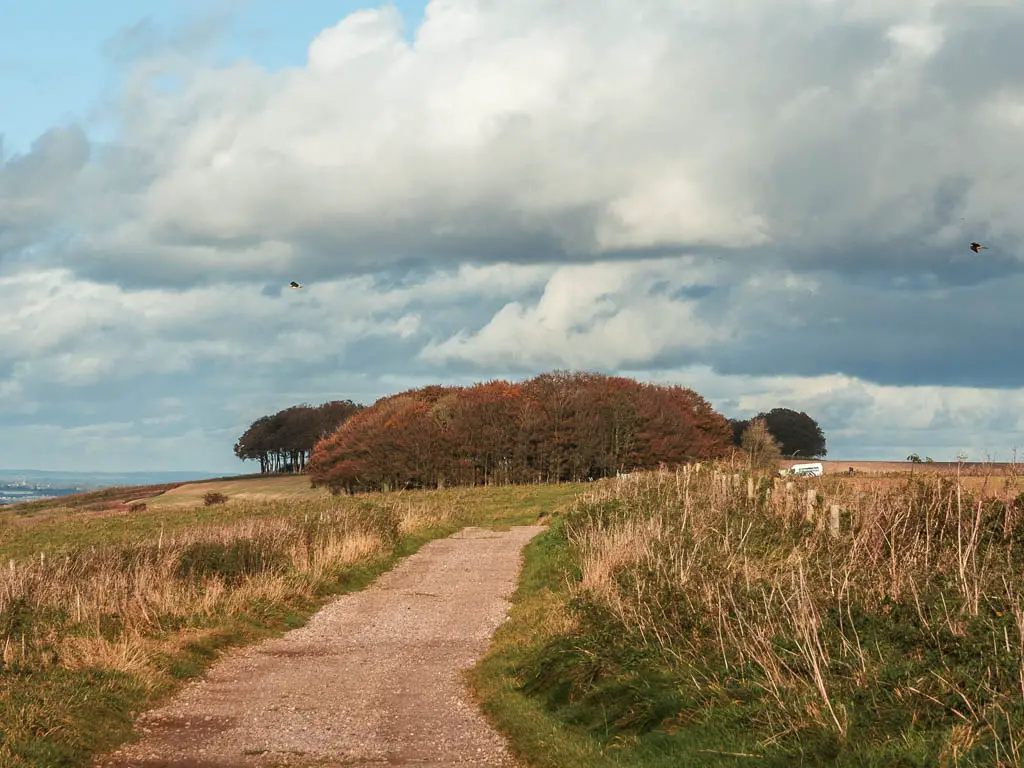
(976,247)
(293,284)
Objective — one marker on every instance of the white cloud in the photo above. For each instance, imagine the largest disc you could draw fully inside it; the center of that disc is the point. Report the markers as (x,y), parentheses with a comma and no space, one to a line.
(600,315)
(868,421)
(595,127)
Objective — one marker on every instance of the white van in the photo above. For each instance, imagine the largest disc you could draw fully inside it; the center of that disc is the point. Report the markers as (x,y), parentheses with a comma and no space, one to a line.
(815,469)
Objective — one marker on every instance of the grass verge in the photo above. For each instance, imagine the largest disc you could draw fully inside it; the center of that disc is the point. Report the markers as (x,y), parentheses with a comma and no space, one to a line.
(673,620)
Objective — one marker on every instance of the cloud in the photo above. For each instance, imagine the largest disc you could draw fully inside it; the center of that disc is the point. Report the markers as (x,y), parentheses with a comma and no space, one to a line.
(570,131)
(588,316)
(757,320)
(769,203)
(195,367)
(73,350)
(863,420)
(35,188)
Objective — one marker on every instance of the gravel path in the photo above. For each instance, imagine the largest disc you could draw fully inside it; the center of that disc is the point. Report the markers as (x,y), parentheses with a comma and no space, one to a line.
(372,679)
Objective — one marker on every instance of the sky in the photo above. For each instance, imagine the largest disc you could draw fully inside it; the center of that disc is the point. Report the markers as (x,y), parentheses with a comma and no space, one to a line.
(768,203)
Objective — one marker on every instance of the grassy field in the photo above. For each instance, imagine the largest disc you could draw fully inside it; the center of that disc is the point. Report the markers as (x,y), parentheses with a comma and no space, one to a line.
(672,620)
(104,612)
(665,619)
(291,488)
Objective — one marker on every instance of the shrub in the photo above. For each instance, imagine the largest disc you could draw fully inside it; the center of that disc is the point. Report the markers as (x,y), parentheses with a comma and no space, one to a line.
(232,561)
(213,497)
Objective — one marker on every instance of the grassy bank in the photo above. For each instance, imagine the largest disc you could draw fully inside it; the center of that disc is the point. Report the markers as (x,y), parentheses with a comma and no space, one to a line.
(102,617)
(669,619)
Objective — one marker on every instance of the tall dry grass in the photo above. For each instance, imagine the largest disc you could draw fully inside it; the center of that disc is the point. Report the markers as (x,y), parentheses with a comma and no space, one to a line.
(912,602)
(116,606)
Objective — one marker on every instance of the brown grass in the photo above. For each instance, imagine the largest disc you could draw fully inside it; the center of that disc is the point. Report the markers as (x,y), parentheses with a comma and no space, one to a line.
(102,613)
(96,605)
(690,564)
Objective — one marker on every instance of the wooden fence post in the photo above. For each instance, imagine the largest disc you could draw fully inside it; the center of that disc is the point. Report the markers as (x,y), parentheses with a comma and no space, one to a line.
(809,512)
(833,521)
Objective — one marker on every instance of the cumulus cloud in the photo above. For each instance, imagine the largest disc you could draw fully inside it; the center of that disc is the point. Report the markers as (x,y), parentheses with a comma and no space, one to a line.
(36,188)
(75,352)
(78,332)
(552,131)
(864,420)
(606,316)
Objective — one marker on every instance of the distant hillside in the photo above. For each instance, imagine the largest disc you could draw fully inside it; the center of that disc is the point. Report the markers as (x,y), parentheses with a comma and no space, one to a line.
(25,485)
(99,479)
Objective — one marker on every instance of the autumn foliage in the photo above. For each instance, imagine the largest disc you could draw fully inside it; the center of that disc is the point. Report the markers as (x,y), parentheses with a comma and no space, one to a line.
(555,427)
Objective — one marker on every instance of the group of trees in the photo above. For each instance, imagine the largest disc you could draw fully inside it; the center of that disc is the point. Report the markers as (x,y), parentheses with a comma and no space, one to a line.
(796,433)
(555,427)
(283,442)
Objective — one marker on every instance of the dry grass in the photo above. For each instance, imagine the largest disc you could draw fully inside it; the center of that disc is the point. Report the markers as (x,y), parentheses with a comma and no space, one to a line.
(905,618)
(101,613)
(152,585)
(147,610)
(885,468)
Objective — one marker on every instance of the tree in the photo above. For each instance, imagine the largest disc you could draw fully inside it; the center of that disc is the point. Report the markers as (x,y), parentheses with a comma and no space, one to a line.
(739,426)
(283,441)
(760,445)
(914,458)
(333,414)
(252,445)
(797,433)
(556,427)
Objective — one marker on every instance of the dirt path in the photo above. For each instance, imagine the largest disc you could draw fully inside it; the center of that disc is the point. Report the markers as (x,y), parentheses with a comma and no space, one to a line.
(372,679)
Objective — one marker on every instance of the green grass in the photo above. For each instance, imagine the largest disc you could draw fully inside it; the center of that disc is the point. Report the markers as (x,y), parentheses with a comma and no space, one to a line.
(499,506)
(530,700)
(55,536)
(60,718)
(56,715)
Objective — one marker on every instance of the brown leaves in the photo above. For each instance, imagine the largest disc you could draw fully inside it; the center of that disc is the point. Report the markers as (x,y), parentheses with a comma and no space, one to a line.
(555,427)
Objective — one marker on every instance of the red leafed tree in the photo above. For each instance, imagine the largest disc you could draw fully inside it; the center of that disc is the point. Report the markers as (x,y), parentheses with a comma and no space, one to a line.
(485,429)
(556,427)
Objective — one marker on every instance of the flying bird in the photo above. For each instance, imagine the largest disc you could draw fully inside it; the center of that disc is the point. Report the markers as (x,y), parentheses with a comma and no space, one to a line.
(293,284)
(976,247)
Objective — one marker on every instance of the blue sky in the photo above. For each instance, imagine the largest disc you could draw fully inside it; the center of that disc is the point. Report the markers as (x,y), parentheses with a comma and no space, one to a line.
(771,205)
(58,59)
